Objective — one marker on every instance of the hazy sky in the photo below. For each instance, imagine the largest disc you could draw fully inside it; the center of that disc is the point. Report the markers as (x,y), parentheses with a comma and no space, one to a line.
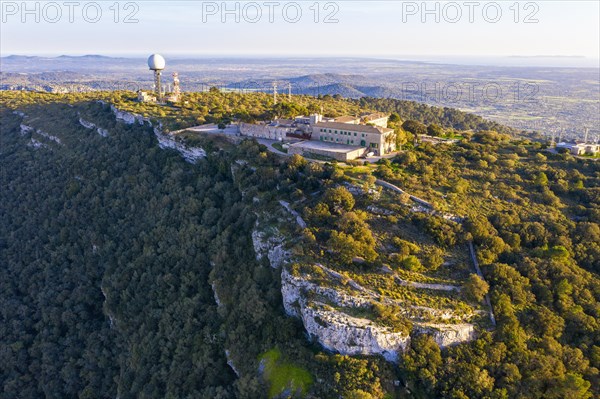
(363,28)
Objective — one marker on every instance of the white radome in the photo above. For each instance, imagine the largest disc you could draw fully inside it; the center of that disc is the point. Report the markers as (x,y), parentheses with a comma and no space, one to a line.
(156,62)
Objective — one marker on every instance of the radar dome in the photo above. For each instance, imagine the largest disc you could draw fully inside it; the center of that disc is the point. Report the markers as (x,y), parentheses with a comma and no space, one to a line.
(156,62)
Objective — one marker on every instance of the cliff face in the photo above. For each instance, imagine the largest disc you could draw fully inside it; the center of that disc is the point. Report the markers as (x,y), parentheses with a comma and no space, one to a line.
(449,334)
(190,154)
(351,335)
(336,330)
(271,247)
(345,315)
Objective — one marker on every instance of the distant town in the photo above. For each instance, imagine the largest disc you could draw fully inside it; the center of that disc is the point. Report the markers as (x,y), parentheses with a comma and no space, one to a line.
(342,138)
(538,100)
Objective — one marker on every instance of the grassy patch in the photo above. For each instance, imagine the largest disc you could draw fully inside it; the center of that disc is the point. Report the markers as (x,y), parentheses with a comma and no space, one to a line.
(279,147)
(283,377)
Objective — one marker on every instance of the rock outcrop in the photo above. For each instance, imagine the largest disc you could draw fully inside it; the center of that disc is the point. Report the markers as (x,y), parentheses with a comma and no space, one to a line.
(128,117)
(448,334)
(294,289)
(48,136)
(26,129)
(299,219)
(90,125)
(190,154)
(318,308)
(271,247)
(349,335)
(335,330)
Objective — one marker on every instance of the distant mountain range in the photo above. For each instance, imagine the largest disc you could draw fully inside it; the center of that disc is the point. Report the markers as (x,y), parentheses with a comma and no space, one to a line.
(559,99)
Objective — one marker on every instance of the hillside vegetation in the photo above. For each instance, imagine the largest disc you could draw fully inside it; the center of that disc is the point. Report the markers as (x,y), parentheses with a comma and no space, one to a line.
(129,271)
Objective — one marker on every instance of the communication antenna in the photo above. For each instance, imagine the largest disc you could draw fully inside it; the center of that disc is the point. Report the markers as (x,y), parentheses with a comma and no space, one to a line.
(274,93)
(289,92)
(176,89)
(585,140)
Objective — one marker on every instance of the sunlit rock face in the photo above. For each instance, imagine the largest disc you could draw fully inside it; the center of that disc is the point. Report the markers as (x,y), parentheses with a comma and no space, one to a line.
(349,335)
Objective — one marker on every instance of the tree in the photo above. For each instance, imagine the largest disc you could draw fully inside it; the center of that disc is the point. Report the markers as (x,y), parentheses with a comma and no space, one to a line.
(475,288)
(541,179)
(414,127)
(435,130)
(348,246)
(401,137)
(339,199)
(412,263)
(358,394)
(422,360)
(394,118)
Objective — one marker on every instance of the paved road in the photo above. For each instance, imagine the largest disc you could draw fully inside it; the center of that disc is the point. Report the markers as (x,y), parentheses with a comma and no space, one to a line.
(438,287)
(480,274)
(269,144)
(399,190)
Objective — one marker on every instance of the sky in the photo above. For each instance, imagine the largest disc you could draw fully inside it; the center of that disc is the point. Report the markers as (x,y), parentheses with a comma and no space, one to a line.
(401,29)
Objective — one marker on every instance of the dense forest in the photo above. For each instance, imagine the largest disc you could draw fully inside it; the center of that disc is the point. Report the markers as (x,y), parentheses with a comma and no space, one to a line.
(109,245)
(110,248)
(214,106)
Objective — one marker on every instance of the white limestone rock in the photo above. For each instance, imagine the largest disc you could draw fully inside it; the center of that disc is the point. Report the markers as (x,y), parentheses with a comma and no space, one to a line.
(190,154)
(102,132)
(86,124)
(294,289)
(48,136)
(127,117)
(216,295)
(36,144)
(90,125)
(26,129)
(340,332)
(299,219)
(272,247)
(448,334)
(230,362)
(349,335)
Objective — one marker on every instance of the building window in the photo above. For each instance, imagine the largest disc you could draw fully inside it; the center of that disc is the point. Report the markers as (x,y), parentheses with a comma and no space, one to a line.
(362,143)
(354,134)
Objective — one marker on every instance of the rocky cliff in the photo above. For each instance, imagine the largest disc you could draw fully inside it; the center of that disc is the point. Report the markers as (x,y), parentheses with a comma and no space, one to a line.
(323,311)
(269,246)
(336,330)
